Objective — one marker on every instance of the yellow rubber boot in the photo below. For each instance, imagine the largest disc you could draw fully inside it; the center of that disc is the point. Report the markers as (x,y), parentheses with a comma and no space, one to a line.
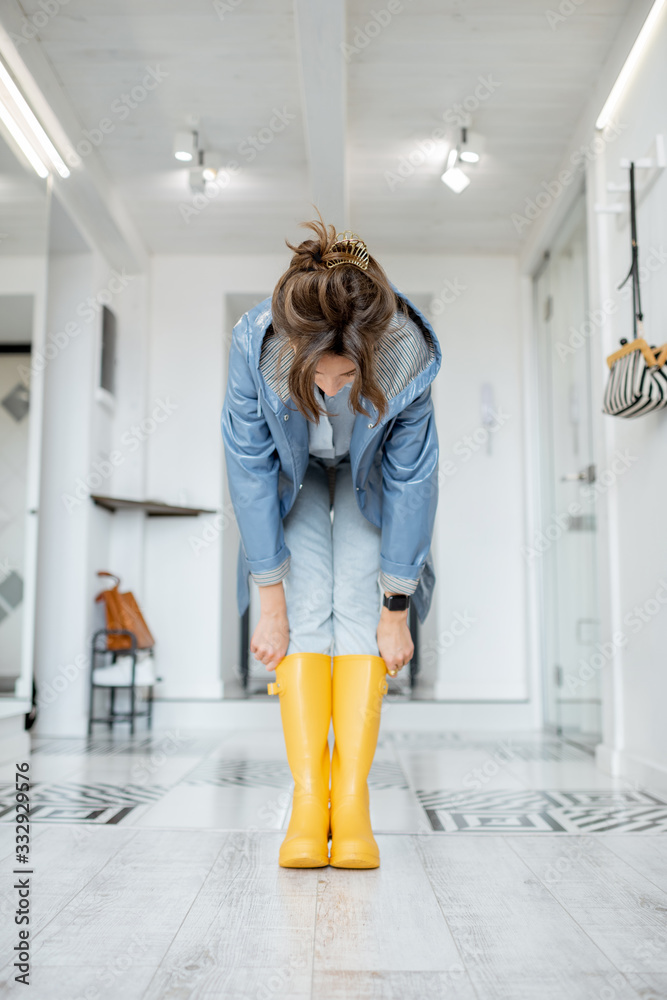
(359,683)
(303,682)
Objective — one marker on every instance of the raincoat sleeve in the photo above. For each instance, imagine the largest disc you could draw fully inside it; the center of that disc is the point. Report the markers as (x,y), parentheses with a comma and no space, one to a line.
(252,467)
(409,495)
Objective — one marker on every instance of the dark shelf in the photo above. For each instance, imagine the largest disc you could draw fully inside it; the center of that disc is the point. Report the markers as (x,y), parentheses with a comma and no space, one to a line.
(153,508)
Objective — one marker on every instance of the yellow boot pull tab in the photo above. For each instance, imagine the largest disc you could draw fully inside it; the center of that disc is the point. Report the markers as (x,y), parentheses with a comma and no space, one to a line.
(273,687)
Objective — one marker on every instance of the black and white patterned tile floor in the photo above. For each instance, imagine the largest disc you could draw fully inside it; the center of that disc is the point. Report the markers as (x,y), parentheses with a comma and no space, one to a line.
(80,802)
(422,782)
(545,811)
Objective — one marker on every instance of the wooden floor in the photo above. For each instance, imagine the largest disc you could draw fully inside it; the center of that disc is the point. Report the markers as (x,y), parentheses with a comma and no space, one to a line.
(156,875)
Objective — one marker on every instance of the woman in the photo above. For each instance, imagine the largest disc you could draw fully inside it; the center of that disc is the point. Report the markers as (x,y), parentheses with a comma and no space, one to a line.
(332,460)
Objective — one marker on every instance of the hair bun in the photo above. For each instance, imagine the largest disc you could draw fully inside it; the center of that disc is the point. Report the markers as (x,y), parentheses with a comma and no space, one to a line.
(310,255)
(314,254)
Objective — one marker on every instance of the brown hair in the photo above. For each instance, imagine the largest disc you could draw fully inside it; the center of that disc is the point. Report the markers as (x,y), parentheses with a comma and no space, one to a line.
(339,310)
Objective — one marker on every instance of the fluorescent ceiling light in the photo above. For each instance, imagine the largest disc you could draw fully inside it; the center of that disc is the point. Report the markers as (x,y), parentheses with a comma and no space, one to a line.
(468,156)
(32,123)
(455,179)
(22,142)
(636,52)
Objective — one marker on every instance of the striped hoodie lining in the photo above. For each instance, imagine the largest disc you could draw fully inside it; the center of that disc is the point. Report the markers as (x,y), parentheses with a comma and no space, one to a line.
(397,584)
(405,350)
(391,584)
(271,576)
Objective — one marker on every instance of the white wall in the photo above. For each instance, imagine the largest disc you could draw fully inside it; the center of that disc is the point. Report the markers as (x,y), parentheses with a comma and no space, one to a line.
(83,453)
(481,513)
(634,563)
(480,634)
(189,343)
(62,577)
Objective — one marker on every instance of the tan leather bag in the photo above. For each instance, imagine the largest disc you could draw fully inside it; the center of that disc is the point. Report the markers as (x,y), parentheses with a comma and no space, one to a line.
(123,612)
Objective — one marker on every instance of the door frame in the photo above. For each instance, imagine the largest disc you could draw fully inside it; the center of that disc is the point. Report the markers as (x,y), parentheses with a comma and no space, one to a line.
(24,683)
(548,579)
(531,263)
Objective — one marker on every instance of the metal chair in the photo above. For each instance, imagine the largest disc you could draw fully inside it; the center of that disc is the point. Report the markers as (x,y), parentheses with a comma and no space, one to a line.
(97,680)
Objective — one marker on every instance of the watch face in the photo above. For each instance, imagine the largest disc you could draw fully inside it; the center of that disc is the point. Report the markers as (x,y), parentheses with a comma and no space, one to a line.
(397,602)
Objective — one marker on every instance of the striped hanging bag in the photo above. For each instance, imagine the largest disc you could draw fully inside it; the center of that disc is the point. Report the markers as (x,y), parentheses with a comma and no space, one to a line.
(638,373)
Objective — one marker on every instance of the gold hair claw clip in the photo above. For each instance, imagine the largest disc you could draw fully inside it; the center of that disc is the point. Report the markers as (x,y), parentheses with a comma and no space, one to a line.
(351,249)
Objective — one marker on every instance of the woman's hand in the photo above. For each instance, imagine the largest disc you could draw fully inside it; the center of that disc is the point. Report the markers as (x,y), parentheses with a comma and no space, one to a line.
(394,640)
(271,637)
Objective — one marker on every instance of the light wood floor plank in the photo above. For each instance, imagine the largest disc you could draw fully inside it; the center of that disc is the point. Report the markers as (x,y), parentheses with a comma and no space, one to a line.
(382,985)
(52,982)
(385,918)
(8,839)
(647,855)
(649,987)
(251,927)
(278,982)
(515,939)
(623,912)
(133,905)
(65,858)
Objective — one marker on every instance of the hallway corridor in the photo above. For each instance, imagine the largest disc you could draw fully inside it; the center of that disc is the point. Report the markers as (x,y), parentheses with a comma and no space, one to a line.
(333,364)
(511,869)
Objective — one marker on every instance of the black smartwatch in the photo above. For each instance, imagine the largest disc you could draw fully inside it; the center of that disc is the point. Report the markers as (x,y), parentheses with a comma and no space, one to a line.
(396,602)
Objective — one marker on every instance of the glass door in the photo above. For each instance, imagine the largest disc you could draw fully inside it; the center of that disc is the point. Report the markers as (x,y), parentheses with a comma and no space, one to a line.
(566,541)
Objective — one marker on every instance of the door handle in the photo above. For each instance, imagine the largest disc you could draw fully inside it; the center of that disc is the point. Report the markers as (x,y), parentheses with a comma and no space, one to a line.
(584,625)
(586,475)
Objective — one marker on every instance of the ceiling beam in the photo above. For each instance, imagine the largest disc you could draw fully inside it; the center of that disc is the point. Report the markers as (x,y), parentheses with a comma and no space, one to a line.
(320,30)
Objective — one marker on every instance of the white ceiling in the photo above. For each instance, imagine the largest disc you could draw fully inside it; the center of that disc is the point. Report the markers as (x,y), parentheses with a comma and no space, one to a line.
(233,70)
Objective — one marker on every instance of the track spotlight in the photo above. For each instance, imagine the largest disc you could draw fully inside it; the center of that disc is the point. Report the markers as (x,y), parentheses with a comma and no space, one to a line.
(455,179)
(212,162)
(453,176)
(472,146)
(468,150)
(185,146)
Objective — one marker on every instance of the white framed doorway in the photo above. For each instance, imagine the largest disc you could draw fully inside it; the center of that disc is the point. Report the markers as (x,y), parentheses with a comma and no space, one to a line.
(565,544)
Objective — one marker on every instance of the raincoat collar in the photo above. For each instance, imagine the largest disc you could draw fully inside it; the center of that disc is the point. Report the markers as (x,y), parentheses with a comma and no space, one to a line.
(259,319)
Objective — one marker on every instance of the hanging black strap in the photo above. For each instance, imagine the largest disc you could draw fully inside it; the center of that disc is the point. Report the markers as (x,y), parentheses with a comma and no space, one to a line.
(634,266)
